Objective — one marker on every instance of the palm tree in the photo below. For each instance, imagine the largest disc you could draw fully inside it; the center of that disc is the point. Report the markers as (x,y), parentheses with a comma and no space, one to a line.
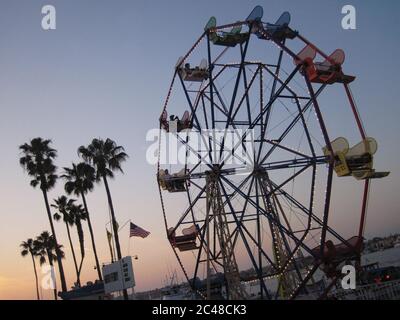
(37,160)
(79,214)
(107,157)
(80,180)
(46,246)
(29,248)
(63,205)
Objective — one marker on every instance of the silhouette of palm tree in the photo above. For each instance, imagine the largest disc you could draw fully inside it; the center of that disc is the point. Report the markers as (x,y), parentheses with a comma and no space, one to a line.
(29,248)
(46,247)
(78,215)
(106,157)
(63,205)
(80,179)
(37,160)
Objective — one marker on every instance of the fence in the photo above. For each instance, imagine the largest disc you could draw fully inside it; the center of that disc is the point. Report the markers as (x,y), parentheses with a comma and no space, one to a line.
(378,291)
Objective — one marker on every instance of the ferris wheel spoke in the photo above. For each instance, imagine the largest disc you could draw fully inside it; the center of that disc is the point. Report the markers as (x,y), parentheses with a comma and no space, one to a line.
(269,216)
(305,127)
(193,110)
(273,228)
(219,108)
(221,100)
(311,201)
(235,232)
(275,75)
(204,112)
(230,118)
(187,211)
(286,148)
(241,227)
(216,143)
(291,178)
(196,185)
(274,97)
(214,78)
(240,186)
(315,218)
(308,212)
(240,71)
(206,246)
(245,96)
(286,253)
(246,85)
(293,123)
(300,116)
(268,106)
(198,153)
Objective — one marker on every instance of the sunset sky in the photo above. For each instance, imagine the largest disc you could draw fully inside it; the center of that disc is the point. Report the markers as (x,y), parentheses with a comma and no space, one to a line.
(105,71)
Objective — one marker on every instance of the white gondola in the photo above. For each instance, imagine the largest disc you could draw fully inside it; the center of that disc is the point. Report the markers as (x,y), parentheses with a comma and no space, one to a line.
(199,73)
(172,182)
(186,241)
(174,124)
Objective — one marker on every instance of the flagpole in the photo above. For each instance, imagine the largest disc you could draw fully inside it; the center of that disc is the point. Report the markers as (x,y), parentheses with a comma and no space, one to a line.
(109,239)
(112,239)
(111,222)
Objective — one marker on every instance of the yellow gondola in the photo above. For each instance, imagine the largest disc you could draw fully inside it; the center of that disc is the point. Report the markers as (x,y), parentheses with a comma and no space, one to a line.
(356,161)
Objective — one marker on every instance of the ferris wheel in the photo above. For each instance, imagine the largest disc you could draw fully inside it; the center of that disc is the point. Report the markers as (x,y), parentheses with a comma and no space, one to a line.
(249,201)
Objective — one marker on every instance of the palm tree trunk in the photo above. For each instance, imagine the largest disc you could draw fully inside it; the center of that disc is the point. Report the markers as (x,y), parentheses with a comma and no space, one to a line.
(59,258)
(92,237)
(52,269)
(80,265)
(36,277)
(114,226)
(81,244)
(78,280)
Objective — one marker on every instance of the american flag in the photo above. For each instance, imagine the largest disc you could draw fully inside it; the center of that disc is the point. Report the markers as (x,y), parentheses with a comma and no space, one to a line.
(136,231)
